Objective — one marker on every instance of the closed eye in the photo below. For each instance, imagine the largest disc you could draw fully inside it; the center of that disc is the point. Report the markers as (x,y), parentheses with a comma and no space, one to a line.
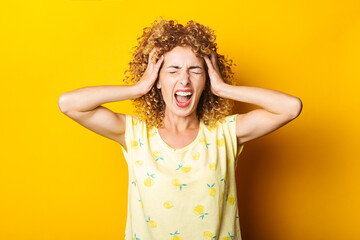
(191,72)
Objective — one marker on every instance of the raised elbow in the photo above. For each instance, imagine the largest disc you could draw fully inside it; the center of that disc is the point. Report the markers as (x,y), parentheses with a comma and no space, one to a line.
(295,108)
(62,103)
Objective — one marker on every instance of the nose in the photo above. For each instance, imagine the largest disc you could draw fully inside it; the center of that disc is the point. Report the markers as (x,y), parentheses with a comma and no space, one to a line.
(185,78)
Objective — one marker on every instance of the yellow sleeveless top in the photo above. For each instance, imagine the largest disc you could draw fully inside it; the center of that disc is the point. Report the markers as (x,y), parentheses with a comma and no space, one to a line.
(182,194)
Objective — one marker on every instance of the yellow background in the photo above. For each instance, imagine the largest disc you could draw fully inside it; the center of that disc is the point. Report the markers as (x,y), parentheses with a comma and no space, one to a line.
(59,180)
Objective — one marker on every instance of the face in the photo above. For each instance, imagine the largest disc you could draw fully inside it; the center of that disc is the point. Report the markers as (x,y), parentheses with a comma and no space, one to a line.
(181,81)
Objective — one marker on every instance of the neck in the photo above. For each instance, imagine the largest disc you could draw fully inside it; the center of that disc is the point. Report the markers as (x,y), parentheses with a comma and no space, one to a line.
(178,123)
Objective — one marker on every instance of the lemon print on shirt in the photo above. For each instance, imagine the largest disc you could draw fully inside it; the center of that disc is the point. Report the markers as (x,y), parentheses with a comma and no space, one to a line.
(208,235)
(138,163)
(148,181)
(135,238)
(196,155)
(184,169)
(177,183)
(168,204)
(221,142)
(175,236)
(134,182)
(203,140)
(199,210)
(231,199)
(212,166)
(228,237)
(212,190)
(135,144)
(152,132)
(151,222)
(157,156)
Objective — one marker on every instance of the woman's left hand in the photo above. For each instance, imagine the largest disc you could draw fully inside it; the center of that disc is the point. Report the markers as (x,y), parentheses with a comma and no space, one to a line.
(216,81)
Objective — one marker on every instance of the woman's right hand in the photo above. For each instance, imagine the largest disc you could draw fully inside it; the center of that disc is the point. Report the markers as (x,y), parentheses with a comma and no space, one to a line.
(150,75)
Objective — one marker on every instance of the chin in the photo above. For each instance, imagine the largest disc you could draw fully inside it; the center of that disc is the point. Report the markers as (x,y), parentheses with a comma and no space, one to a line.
(184,112)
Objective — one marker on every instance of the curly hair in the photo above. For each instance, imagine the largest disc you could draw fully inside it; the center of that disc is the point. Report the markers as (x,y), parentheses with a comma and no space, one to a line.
(165,35)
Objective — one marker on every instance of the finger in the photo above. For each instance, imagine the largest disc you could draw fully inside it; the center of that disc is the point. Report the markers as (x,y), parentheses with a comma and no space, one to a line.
(209,63)
(214,60)
(158,64)
(151,60)
(153,51)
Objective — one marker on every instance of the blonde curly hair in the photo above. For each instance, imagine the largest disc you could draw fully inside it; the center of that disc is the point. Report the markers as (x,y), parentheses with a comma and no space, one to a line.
(165,35)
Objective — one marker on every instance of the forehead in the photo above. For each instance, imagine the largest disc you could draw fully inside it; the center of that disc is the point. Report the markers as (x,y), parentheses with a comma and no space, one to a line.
(181,55)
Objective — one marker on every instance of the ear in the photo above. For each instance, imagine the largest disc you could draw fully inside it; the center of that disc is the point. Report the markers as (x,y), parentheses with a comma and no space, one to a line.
(158,84)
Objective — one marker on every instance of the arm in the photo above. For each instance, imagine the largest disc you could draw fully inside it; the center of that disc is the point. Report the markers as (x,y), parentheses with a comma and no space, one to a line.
(278,108)
(84,105)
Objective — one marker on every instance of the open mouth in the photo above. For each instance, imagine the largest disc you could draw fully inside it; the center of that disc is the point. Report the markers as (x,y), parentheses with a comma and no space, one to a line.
(183,98)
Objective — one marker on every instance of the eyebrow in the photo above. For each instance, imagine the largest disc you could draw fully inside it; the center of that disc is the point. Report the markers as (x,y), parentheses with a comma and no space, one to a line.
(177,67)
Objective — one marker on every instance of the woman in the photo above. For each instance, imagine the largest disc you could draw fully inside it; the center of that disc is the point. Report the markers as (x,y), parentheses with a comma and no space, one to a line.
(182,149)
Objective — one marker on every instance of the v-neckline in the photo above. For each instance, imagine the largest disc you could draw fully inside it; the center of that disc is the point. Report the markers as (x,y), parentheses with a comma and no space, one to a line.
(157,133)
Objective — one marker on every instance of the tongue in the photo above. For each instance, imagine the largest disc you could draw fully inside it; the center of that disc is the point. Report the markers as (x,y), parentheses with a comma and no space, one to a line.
(182,99)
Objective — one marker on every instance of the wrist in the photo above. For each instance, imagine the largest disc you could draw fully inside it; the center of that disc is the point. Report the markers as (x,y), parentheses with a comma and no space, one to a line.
(220,89)
(137,90)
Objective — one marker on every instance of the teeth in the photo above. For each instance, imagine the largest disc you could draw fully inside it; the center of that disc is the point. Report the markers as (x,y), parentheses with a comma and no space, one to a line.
(183,93)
